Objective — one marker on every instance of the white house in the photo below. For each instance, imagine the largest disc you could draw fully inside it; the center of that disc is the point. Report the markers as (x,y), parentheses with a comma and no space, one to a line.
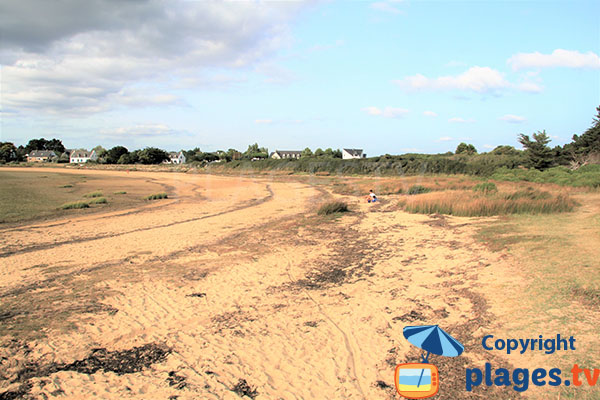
(279,154)
(176,158)
(352,153)
(82,156)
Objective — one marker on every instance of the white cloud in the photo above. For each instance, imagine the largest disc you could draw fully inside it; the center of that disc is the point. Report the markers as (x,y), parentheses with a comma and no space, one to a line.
(459,120)
(476,79)
(263,121)
(530,87)
(429,114)
(78,58)
(558,58)
(387,6)
(388,112)
(513,119)
(141,130)
(445,139)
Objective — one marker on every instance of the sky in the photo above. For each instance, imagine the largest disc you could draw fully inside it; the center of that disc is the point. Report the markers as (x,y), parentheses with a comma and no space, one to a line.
(387,76)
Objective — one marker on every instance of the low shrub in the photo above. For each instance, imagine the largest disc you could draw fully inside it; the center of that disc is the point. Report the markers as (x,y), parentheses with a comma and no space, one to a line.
(120,192)
(333,207)
(75,205)
(418,189)
(157,196)
(93,194)
(588,175)
(98,200)
(66,186)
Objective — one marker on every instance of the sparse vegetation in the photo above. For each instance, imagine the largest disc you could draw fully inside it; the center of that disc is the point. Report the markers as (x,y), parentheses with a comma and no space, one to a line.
(120,192)
(98,200)
(75,205)
(25,195)
(157,196)
(333,208)
(93,194)
(418,189)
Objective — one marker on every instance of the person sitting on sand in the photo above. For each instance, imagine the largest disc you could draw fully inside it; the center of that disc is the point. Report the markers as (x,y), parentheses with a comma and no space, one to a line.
(372,197)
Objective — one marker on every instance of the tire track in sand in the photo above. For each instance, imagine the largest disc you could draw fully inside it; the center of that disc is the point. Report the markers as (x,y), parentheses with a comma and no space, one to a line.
(352,360)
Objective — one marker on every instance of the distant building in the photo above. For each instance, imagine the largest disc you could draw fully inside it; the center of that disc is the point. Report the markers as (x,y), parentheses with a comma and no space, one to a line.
(352,153)
(41,155)
(279,154)
(176,158)
(82,156)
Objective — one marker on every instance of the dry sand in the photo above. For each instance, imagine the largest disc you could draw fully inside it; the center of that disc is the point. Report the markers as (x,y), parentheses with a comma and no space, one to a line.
(236,278)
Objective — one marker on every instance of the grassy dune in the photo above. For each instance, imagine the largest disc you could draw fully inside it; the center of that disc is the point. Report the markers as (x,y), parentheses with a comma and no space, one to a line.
(27,195)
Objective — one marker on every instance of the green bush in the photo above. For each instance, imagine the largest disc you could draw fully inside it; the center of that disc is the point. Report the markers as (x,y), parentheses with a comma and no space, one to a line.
(98,200)
(75,205)
(120,192)
(157,196)
(333,207)
(93,194)
(588,175)
(418,189)
(66,186)
(485,187)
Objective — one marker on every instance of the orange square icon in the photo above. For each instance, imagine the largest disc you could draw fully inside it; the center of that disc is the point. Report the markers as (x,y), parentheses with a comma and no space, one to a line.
(417,380)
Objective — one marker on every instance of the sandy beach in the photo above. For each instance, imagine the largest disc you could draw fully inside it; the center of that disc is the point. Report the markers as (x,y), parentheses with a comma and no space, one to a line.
(235,287)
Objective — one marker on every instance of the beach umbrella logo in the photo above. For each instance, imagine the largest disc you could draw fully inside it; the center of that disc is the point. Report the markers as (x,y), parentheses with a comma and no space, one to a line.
(421,380)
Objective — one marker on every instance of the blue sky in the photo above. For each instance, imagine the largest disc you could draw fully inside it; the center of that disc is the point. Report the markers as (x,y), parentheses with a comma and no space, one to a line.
(387,77)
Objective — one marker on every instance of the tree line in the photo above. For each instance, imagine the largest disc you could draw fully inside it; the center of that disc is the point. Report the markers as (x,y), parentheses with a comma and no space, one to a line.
(583,149)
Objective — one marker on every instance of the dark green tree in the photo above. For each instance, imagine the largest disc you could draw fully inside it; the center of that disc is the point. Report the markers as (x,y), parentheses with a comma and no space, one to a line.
(319,152)
(306,153)
(464,148)
(539,155)
(8,152)
(113,155)
(505,151)
(43,144)
(254,151)
(152,155)
(589,142)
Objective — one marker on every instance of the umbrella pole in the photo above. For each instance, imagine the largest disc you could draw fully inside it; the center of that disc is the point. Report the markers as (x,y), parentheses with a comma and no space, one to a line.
(423,370)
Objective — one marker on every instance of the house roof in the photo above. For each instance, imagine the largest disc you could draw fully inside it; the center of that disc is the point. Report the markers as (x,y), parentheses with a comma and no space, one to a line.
(174,154)
(354,152)
(41,153)
(81,154)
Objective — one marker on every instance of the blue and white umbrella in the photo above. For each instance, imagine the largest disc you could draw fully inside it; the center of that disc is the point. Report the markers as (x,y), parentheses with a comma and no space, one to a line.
(432,339)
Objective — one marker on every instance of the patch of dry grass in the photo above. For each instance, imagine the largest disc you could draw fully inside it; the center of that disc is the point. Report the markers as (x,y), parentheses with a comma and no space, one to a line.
(333,207)
(471,204)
